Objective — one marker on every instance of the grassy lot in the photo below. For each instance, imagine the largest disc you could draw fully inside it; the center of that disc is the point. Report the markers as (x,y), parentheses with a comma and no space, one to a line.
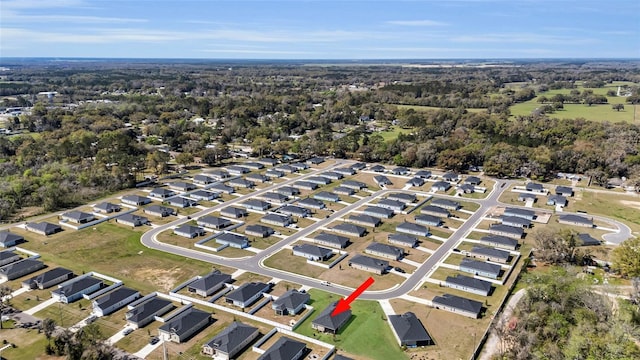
(251,277)
(366,334)
(421,108)
(393,133)
(30,344)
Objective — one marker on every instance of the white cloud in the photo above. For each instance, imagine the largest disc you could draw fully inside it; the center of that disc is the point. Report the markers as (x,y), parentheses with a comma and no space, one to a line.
(12,17)
(258,52)
(39,4)
(417,23)
(523,38)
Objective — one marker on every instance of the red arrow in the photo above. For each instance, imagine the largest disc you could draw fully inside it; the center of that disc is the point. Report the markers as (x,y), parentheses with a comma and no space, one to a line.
(345,304)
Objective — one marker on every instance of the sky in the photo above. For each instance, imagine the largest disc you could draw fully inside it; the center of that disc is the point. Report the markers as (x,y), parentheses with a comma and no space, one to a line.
(308,29)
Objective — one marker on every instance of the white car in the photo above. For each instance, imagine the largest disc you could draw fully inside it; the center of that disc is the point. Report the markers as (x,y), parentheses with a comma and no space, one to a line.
(326,283)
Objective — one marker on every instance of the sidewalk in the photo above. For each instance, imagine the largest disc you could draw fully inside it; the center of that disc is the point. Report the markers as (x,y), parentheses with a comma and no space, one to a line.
(40,306)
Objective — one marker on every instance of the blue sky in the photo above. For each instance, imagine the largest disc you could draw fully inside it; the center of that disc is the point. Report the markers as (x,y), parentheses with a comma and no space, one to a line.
(349,29)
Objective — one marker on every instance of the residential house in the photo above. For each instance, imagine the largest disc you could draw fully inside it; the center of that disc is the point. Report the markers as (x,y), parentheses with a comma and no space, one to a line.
(365,220)
(440,186)
(403,240)
(246,294)
(587,240)
(342,190)
(268,161)
(241,183)
(219,174)
(285,348)
(480,268)
(159,211)
(274,173)
(332,175)
(209,284)
(446,204)
(472,180)
(48,279)
(107,208)
(521,213)
(326,196)
(564,191)
(527,197)
(451,177)
(132,220)
(400,170)
(423,174)
(276,219)
(458,305)
(19,268)
(409,331)
(255,204)
(359,166)
(349,229)
(324,322)
(8,239)
(575,220)
(468,284)
(288,191)
(114,301)
(162,193)
(412,229)
(403,197)
(233,212)
(556,199)
(499,242)
(233,240)
(254,165)
(428,220)
(189,231)
(184,325)
(305,185)
(182,202)
(293,210)
(515,221)
(7,257)
(135,200)
(384,250)
(391,204)
(260,231)
(275,197)
(287,169)
(291,302)
(213,222)
(345,171)
(182,186)
(370,264)
(145,312)
(230,341)
(318,180)
(435,211)
(355,185)
(203,179)
(43,228)
(312,252)
(416,182)
(299,166)
(237,170)
(220,187)
(316,160)
(506,230)
(204,195)
(466,189)
(534,187)
(377,168)
(382,180)
(379,212)
(73,290)
(332,240)
(311,203)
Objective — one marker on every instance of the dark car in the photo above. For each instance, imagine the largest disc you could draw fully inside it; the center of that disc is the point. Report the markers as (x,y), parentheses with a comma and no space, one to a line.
(399,270)
(154,340)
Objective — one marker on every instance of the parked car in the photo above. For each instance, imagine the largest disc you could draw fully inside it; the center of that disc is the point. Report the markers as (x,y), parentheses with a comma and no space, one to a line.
(326,283)
(127,331)
(154,340)
(398,269)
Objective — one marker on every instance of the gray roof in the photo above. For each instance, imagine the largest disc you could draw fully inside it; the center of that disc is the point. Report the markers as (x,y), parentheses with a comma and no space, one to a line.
(428,219)
(445,203)
(254,203)
(379,210)
(412,227)
(287,190)
(526,196)
(235,168)
(325,195)
(49,275)
(222,187)
(291,300)
(441,185)
(377,168)
(354,184)
(402,197)
(246,291)
(159,209)
(274,172)
(232,238)
(332,175)
(469,282)
(343,190)
(257,228)
(241,182)
(435,209)
(519,212)
(294,210)
(345,170)
(115,297)
(310,202)
(341,357)
(44,227)
(146,309)
(185,322)
(214,221)
(233,211)
(350,228)
(364,219)
(557,199)
(205,194)
(276,218)
(107,206)
(19,266)
(499,239)
(400,169)
(587,240)
(332,238)
(203,178)
(458,302)
(416,181)
(7,255)
(358,166)
(407,239)
(182,201)
(162,192)
(254,165)
(472,180)
(385,249)
(320,180)
(506,229)
(132,218)
(391,203)
(305,184)
(232,336)
(136,198)
(450,176)
(534,187)
(312,250)
(576,219)
(369,262)
(78,286)
(269,161)
(275,196)
(381,179)
(409,328)
(516,220)
(189,229)
(332,322)
(283,349)
(210,280)
(423,173)
(183,185)
(481,266)
(7,237)
(562,190)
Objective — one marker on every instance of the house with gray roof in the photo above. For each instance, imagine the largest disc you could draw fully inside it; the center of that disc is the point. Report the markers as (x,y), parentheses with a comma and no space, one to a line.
(291,302)
(135,200)
(564,191)
(8,239)
(359,166)
(349,229)
(159,211)
(353,184)
(182,202)
(416,181)
(162,193)
(305,185)
(521,213)
(247,294)
(400,170)
(435,211)
(185,325)
(318,180)
(440,186)
(534,187)
(274,173)
(218,174)
(369,264)
(311,203)
(364,220)
(468,284)
(73,290)
(384,250)
(276,219)
(287,169)
(268,161)
(132,220)
(382,180)
(182,186)
(209,284)
(391,204)
(145,312)
(20,268)
(345,171)
(451,176)
(189,231)
(114,301)
(466,189)
(203,179)
(213,222)
(241,183)
(377,168)
(446,204)
(312,252)
(587,240)
(288,191)
(527,197)
(515,221)
(343,190)
(107,208)
(412,229)
(499,242)
(458,305)
(324,322)
(234,212)
(472,180)
(293,210)
(230,341)
(299,166)
(43,228)
(556,199)
(326,196)
(576,220)
(409,331)
(255,204)
(48,279)
(506,230)
(332,175)
(220,187)
(204,195)
(379,212)
(253,165)
(285,348)
(428,220)
(7,257)
(237,170)
(331,240)
(341,357)
(480,268)
(403,240)
(233,240)
(275,197)
(403,197)
(259,231)
(423,174)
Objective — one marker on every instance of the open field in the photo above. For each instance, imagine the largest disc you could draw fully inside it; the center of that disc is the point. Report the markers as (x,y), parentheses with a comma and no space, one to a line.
(393,133)
(421,108)
(30,344)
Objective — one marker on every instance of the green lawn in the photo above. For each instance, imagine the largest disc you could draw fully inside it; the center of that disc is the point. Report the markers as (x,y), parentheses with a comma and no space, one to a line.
(393,133)
(434,108)
(366,334)
(30,344)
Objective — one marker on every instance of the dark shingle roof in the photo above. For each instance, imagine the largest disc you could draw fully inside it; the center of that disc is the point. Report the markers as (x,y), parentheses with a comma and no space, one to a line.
(407,239)
(115,297)
(77,286)
(232,336)
(445,203)
(350,228)
(185,322)
(587,240)
(247,291)
(499,239)
(291,300)
(481,266)
(576,219)
(385,249)
(283,349)
(458,302)
(214,221)
(409,328)
(49,275)
(210,280)
(20,266)
(312,250)
(146,309)
(332,322)
(7,237)
(370,262)
(332,238)
(469,282)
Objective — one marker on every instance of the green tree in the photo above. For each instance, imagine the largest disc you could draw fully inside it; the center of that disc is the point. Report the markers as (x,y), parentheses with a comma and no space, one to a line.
(184,158)
(626,258)
(617,107)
